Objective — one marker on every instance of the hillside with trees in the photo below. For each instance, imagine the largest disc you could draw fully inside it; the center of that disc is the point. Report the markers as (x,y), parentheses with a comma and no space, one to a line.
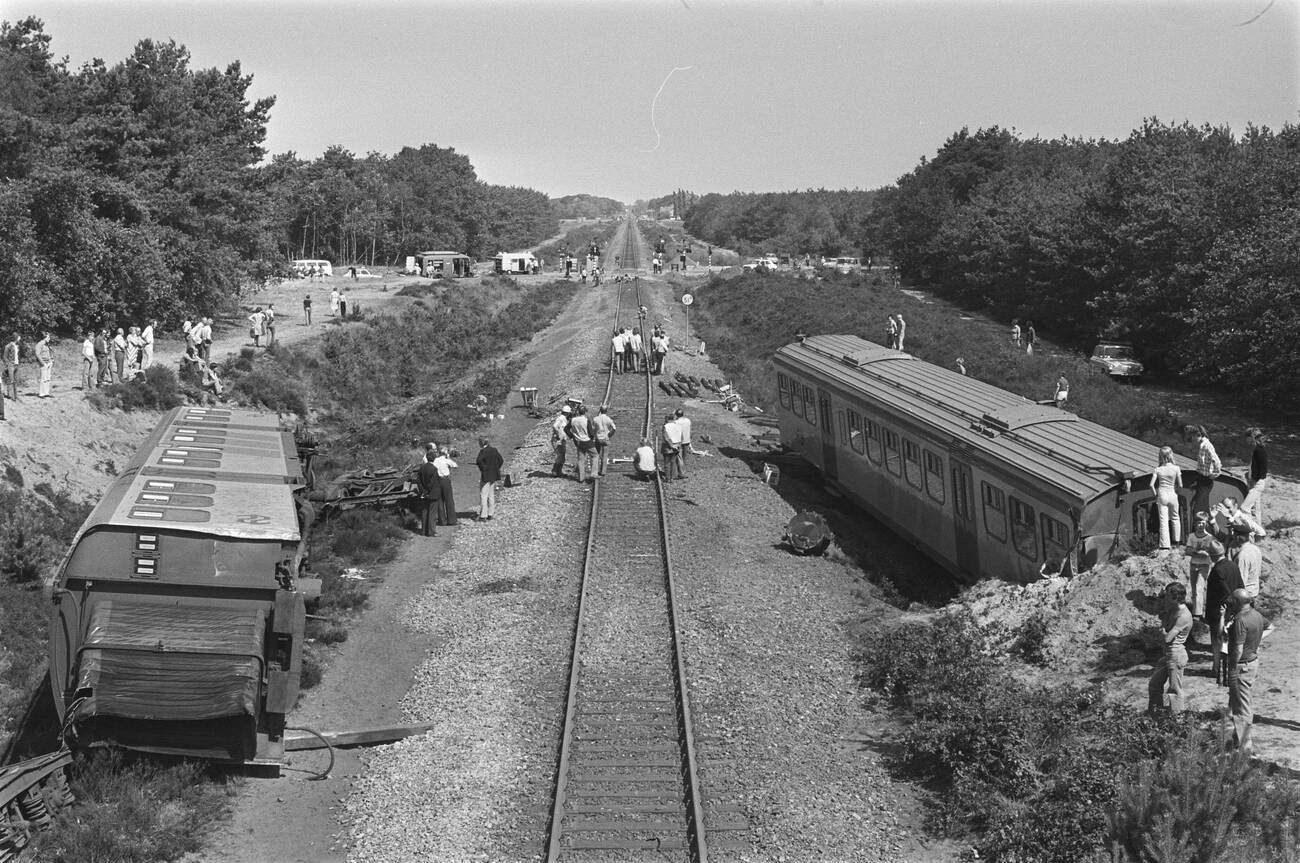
(819,222)
(138,189)
(587,207)
(1183,239)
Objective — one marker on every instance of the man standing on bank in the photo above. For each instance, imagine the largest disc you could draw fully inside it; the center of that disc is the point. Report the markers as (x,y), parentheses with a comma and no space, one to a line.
(430,495)
(45,357)
(12,351)
(489,474)
(1244,635)
(1176,621)
(1253,504)
(88,361)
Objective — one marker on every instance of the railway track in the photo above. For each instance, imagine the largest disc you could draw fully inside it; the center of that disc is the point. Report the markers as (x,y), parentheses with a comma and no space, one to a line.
(624,253)
(627,785)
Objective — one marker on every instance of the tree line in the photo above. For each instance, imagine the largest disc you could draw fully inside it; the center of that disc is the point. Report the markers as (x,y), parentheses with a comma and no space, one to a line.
(1184,239)
(815,222)
(138,189)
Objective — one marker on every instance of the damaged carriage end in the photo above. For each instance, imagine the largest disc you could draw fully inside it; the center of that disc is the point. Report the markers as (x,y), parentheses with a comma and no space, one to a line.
(179,612)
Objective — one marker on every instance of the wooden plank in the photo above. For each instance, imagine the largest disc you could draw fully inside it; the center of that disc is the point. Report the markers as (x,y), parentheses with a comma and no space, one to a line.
(296,741)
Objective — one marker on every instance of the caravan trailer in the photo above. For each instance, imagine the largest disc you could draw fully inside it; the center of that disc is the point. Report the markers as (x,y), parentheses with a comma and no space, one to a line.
(448,264)
(514,263)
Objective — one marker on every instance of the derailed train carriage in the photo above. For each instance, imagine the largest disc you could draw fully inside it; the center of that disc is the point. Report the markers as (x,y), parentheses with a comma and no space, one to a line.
(986,482)
(179,611)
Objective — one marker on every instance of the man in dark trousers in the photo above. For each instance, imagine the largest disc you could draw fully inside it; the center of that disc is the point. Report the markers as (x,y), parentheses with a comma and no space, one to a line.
(489,474)
(1224,580)
(1247,628)
(430,495)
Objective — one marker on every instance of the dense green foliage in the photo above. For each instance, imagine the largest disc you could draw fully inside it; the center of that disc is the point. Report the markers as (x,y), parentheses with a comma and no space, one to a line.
(1184,239)
(380,209)
(816,222)
(36,526)
(124,189)
(745,319)
(134,190)
(1053,774)
(587,207)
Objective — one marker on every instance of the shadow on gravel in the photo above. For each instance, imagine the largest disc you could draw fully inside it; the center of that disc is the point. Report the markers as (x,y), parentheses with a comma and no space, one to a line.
(886,559)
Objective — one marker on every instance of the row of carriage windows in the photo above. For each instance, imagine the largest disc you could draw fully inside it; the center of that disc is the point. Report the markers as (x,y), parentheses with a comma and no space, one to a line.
(1005,517)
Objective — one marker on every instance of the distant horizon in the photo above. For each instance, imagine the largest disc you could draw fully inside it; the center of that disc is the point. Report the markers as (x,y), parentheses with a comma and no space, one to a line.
(712,97)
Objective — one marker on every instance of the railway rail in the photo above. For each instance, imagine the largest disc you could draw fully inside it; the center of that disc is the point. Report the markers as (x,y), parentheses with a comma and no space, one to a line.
(625,255)
(627,784)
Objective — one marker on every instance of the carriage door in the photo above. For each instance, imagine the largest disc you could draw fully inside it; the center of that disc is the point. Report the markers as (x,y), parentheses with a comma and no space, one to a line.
(963,505)
(826,416)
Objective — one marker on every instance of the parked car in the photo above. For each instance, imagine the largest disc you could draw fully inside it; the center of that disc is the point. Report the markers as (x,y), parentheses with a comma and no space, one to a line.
(1116,359)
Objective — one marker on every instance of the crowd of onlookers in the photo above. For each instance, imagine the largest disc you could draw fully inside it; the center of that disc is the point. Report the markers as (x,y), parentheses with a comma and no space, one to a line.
(1223,580)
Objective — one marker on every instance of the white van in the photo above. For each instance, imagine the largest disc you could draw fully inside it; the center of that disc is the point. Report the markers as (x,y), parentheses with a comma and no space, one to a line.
(307,267)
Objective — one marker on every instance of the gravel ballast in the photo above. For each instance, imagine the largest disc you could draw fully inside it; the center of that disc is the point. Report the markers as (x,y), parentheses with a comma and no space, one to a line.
(778,715)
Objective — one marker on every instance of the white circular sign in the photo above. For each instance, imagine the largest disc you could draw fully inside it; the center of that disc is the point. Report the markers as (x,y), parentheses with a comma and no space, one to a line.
(687,299)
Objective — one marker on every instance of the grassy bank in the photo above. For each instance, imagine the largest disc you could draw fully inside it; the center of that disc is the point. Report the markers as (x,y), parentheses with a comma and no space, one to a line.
(374,388)
(745,319)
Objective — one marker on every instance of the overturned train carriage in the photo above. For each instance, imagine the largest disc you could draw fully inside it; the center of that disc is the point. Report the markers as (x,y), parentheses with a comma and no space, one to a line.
(986,482)
(178,613)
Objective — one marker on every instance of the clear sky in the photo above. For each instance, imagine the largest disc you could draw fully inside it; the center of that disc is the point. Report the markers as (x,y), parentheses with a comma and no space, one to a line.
(558,96)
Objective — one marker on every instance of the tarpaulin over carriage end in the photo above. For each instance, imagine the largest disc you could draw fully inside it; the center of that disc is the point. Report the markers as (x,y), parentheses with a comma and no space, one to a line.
(170,663)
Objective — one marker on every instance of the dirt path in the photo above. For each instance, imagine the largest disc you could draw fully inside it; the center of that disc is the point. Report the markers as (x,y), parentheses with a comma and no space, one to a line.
(296,819)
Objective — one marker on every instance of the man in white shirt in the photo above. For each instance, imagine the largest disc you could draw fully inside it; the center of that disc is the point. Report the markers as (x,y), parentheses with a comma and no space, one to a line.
(644,460)
(1250,560)
(684,431)
(636,349)
(88,361)
(619,342)
(602,429)
(560,438)
(671,448)
(146,356)
(447,502)
(581,434)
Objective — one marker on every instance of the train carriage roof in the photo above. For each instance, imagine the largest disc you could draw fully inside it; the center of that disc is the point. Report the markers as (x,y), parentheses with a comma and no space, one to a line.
(1078,458)
(220,472)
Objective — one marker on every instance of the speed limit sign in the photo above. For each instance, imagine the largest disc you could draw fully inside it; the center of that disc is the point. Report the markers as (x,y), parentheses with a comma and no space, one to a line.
(687,299)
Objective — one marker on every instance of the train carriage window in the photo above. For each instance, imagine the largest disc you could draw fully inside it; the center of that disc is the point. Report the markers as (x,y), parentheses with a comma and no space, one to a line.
(912,463)
(875,445)
(1056,537)
(809,405)
(844,428)
(855,432)
(893,459)
(995,512)
(934,476)
(783,388)
(1024,533)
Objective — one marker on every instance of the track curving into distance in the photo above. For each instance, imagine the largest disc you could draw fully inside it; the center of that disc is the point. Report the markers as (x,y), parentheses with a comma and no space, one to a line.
(627,784)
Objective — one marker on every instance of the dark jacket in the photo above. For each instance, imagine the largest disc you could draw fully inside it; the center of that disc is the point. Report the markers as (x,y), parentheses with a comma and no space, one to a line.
(427,477)
(489,464)
(1224,578)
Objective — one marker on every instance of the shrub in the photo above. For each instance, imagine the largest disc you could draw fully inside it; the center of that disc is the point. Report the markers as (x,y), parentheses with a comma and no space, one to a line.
(1204,802)
(365,536)
(134,810)
(156,390)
